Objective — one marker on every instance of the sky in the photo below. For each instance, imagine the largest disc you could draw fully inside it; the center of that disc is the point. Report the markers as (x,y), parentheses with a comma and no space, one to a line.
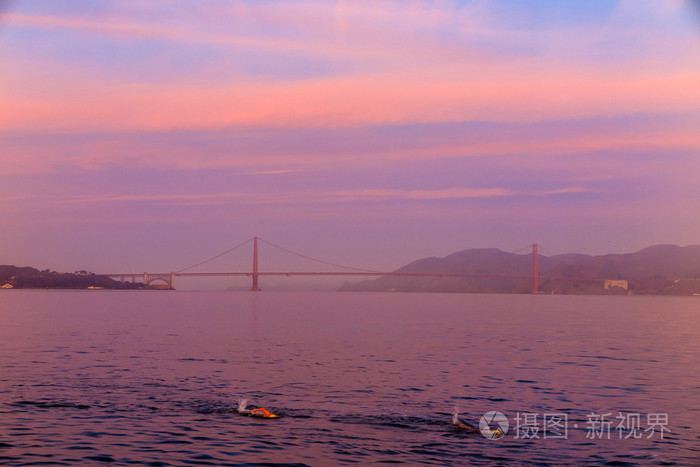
(150,135)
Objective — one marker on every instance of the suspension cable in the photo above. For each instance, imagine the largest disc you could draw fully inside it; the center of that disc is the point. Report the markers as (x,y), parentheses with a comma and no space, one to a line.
(545,250)
(316,259)
(215,257)
(525,248)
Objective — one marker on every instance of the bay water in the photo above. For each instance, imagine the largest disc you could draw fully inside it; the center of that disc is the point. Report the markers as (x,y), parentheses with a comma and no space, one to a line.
(155,378)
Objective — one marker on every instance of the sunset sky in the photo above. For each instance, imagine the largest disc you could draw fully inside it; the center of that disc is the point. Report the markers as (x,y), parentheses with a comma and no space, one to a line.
(148,135)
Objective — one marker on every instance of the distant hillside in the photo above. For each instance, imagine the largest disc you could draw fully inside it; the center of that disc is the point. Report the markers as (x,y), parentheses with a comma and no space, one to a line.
(30,278)
(660,269)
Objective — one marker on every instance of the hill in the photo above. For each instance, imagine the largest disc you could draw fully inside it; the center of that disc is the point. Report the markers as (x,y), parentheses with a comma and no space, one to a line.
(660,269)
(30,278)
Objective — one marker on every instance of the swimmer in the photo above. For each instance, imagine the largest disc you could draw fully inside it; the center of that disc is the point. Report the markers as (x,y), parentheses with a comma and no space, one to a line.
(461,426)
(256,412)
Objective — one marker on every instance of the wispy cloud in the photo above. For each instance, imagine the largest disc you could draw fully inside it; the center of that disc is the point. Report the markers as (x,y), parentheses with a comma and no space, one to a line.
(384,64)
(568,190)
(384,99)
(273,172)
(294,197)
(316,196)
(418,195)
(278,151)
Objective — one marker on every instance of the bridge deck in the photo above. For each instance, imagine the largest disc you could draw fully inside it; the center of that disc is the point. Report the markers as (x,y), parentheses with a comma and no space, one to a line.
(353,273)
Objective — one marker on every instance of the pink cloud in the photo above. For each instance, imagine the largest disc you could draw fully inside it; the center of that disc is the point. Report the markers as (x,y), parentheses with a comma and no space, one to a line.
(448,193)
(348,101)
(147,30)
(397,74)
(399,71)
(272,198)
(288,156)
(293,197)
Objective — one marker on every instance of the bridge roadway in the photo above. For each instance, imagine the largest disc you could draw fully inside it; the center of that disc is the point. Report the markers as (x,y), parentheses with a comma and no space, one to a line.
(169,277)
(353,273)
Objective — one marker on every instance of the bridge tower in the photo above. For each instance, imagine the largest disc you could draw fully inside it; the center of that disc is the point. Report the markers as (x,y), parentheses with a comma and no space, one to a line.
(255,287)
(535,285)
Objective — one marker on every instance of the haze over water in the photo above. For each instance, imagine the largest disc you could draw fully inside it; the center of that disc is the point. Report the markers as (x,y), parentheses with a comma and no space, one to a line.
(154,378)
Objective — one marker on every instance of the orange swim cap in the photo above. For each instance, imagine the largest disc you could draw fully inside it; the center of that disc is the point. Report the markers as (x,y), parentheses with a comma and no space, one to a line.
(264,413)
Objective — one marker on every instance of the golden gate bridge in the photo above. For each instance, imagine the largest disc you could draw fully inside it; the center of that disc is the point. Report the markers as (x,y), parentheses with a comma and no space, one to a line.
(167,279)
